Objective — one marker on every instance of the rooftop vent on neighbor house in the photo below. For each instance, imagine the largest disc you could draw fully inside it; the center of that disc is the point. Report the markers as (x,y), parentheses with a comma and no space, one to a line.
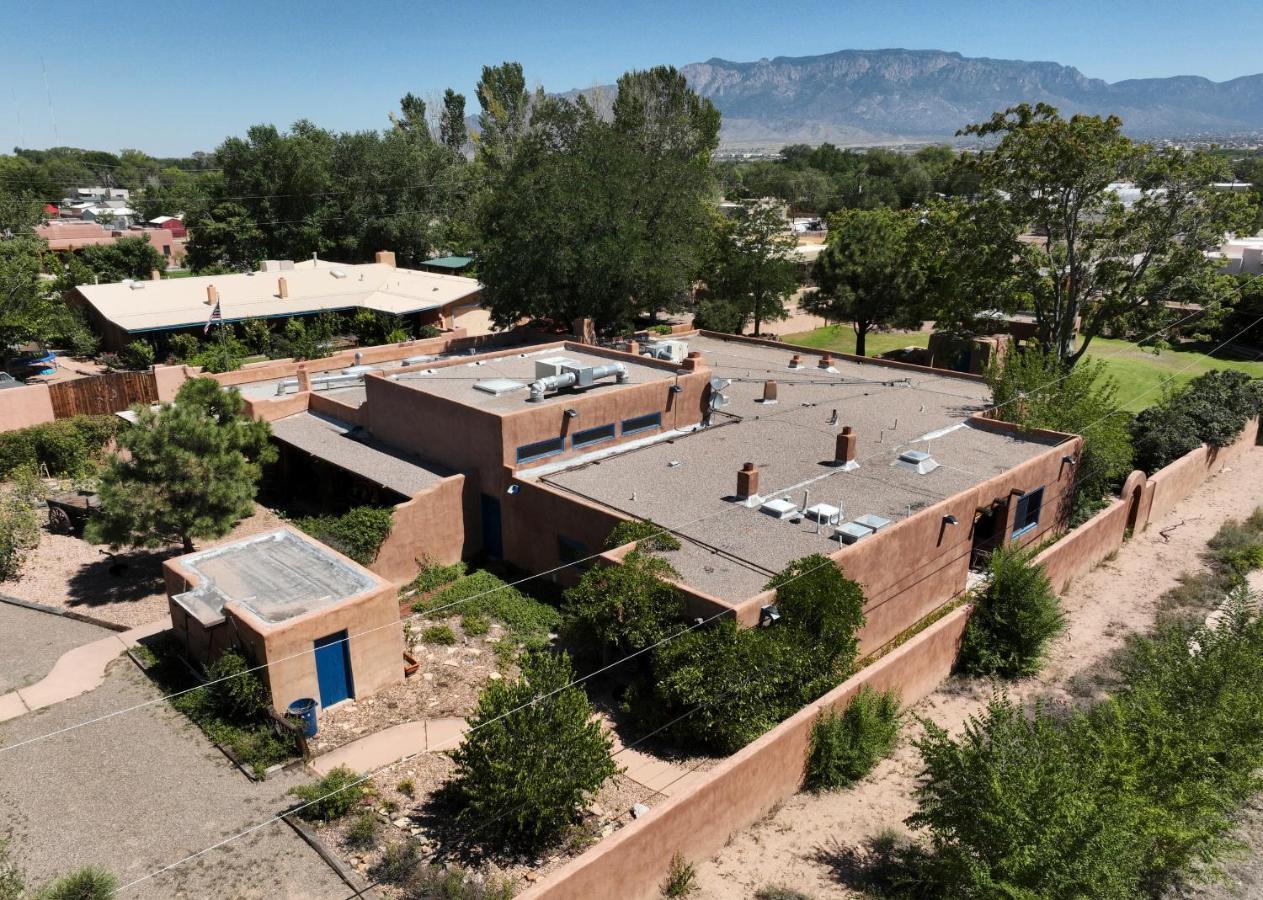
(916,461)
(498,386)
(672,351)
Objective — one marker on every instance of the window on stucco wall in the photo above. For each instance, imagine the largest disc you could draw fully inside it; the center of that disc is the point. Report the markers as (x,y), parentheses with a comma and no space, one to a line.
(1026,516)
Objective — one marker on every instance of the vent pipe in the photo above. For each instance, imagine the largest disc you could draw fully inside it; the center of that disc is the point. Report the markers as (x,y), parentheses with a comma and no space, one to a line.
(542,386)
(282,288)
(212,295)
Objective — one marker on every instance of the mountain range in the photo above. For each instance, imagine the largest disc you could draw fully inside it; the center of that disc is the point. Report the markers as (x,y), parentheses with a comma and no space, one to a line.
(856,97)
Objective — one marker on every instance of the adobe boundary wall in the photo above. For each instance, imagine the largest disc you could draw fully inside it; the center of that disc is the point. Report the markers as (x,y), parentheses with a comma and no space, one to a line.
(633,861)
(1141,501)
(22,407)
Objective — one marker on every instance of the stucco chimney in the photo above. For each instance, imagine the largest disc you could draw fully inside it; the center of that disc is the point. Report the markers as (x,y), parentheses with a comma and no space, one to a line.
(633,347)
(212,295)
(748,482)
(796,362)
(155,275)
(304,378)
(844,453)
(693,360)
(282,288)
(826,360)
(769,391)
(386,258)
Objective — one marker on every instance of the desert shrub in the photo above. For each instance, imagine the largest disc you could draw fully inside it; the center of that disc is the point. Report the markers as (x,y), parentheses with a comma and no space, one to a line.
(66,447)
(221,354)
(475,624)
(332,797)
(429,331)
(371,327)
(1014,619)
(1212,408)
(625,607)
(681,877)
(777,892)
(660,329)
(717,314)
(648,536)
(845,747)
(407,787)
(453,883)
(88,883)
(362,833)
(1237,547)
(399,859)
(137,355)
(359,532)
(435,575)
(12,882)
(527,619)
(533,756)
(439,634)
(1027,806)
(235,693)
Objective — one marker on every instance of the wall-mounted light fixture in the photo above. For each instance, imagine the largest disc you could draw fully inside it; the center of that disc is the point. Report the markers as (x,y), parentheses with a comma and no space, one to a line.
(676,389)
(513,489)
(950,519)
(572,413)
(1069,460)
(768,615)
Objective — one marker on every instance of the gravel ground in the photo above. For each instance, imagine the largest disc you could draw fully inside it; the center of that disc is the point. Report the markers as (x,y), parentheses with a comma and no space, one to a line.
(68,572)
(34,640)
(141,791)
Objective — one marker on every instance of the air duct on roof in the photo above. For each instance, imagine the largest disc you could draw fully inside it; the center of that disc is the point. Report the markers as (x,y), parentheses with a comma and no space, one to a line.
(916,461)
(575,375)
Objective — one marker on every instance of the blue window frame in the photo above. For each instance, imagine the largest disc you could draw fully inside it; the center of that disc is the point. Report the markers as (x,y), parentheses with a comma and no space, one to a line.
(1026,516)
(540,449)
(593,435)
(642,423)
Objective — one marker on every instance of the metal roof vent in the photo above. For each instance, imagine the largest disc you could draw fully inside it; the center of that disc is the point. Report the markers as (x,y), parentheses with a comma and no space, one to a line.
(873,522)
(852,532)
(137,285)
(337,273)
(916,461)
(498,386)
(779,509)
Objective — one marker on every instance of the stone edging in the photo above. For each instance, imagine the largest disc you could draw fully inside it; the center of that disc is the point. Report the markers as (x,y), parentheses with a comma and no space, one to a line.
(64,613)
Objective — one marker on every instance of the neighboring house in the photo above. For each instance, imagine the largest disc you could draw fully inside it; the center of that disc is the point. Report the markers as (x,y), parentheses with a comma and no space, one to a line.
(1240,256)
(68,234)
(113,216)
(172,223)
(281,290)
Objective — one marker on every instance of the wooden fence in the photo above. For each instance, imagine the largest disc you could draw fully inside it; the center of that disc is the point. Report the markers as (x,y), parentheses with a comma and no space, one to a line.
(102,394)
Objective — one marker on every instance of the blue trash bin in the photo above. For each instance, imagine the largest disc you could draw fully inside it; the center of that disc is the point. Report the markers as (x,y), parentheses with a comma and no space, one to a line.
(305,709)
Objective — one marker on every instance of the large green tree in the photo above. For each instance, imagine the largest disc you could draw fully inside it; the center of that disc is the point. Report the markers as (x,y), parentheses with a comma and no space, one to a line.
(867,274)
(129,257)
(602,219)
(29,309)
(754,266)
(190,470)
(1099,258)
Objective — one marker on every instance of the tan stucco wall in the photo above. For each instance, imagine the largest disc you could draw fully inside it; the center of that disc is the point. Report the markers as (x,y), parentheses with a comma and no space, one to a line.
(22,407)
(1176,481)
(631,863)
(430,526)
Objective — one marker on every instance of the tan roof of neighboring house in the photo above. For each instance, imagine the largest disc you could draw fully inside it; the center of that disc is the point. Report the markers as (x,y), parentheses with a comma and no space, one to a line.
(182,302)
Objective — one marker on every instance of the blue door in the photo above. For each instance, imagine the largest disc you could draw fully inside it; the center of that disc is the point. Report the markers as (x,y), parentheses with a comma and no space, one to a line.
(492,540)
(333,669)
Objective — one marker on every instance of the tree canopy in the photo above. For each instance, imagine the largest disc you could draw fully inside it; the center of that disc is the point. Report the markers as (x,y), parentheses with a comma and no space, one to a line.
(753,268)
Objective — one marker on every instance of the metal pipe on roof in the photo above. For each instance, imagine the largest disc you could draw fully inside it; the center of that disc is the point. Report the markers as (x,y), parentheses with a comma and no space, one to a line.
(542,386)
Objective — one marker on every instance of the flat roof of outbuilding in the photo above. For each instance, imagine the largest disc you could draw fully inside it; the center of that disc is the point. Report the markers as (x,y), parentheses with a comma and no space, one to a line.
(731,551)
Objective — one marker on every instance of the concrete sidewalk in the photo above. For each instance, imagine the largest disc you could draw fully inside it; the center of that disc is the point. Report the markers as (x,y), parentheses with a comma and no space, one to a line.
(76,672)
(393,744)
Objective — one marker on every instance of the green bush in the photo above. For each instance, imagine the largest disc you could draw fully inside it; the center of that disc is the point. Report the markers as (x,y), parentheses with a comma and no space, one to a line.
(475,624)
(89,883)
(362,833)
(236,694)
(435,575)
(332,797)
(76,335)
(1212,408)
(429,331)
(12,882)
(19,533)
(776,892)
(681,877)
(183,347)
(1014,619)
(625,607)
(137,355)
(1237,547)
(66,447)
(439,634)
(715,314)
(359,532)
(845,747)
(826,609)
(648,536)
(528,765)
(527,619)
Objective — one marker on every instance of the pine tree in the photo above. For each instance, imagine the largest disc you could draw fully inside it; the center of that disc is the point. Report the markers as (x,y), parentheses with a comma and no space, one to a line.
(191,471)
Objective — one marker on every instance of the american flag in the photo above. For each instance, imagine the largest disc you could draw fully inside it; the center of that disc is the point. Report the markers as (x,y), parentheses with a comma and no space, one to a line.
(215,316)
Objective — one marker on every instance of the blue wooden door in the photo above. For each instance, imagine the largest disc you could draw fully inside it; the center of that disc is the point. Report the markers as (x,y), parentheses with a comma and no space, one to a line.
(333,669)
(492,538)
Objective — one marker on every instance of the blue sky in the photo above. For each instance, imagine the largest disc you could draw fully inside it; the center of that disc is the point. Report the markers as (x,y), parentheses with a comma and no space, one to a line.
(179,76)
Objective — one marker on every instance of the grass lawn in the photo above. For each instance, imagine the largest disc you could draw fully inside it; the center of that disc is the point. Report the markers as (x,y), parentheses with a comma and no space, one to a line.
(1140,372)
(841,339)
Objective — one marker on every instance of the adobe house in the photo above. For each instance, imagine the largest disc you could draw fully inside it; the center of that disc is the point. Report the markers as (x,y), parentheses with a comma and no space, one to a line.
(753,453)
(325,627)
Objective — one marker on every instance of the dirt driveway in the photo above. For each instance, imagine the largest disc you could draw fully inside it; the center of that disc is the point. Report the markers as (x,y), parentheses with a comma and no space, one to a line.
(142,790)
(797,846)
